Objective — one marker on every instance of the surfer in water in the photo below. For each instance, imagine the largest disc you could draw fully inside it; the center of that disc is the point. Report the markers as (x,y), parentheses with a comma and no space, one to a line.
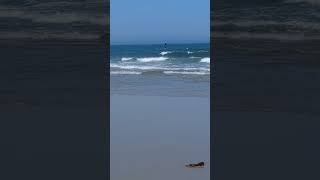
(165,45)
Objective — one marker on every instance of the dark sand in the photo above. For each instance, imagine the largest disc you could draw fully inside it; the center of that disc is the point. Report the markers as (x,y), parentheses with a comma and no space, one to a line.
(154,137)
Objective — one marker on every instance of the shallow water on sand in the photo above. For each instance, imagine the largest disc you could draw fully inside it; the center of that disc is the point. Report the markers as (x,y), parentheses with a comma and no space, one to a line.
(172,70)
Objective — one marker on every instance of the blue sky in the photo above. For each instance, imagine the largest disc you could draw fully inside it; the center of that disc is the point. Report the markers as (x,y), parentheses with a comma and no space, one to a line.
(159,21)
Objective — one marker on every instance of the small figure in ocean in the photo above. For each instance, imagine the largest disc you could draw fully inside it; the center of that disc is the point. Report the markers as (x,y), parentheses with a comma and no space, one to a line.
(165,45)
(197,165)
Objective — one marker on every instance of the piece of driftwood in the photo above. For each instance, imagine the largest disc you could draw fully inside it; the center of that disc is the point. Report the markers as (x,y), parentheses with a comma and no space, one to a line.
(196,165)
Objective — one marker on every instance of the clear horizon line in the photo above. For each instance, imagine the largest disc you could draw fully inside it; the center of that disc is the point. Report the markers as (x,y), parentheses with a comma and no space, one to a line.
(157,43)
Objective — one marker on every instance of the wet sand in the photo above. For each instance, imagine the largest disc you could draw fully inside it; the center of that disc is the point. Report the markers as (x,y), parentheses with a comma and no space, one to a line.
(154,137)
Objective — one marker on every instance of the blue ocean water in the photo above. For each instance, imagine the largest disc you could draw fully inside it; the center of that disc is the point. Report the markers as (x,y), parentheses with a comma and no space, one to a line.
(173,69)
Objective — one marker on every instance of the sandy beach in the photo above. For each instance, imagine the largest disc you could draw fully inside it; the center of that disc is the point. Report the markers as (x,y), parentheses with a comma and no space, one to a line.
(154,137)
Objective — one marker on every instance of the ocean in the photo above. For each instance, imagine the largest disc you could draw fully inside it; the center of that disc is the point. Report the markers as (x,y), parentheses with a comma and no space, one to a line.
(158,95)
(170,70)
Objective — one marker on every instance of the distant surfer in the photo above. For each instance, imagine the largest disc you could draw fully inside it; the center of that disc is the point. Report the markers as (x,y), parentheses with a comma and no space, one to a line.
(165,45)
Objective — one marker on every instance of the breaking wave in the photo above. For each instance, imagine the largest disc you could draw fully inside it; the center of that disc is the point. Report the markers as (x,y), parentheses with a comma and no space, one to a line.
(125,72)
(189,52)
(151,59)
(165,52)
(187,72)
(126,58)
(205,60)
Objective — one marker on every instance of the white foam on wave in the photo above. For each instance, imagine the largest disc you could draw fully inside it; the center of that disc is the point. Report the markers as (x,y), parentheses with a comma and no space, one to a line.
(206,60)
(165,52)
(194,57)
(125,72)
(150,68)
(151,59)
(126,58)
(187,72)
(189,52)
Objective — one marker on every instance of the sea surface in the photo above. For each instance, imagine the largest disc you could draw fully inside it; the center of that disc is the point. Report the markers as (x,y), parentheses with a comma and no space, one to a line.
(171,70)
(160,111)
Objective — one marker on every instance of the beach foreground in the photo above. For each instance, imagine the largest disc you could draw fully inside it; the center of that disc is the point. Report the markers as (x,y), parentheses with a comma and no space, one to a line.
(154,137)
